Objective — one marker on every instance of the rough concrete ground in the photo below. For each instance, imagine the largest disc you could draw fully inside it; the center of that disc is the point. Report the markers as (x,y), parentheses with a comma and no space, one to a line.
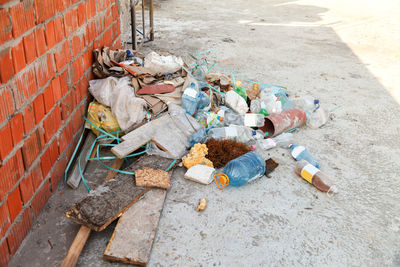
(340,52)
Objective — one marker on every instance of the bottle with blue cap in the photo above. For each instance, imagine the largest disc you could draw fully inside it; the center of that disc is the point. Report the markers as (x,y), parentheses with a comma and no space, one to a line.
(301,153)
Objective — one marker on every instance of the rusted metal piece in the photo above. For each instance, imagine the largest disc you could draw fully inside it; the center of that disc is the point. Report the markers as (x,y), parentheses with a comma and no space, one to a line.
(276,124)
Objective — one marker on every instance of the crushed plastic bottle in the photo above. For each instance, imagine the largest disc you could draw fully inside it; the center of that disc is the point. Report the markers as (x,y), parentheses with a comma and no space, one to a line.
(241,134)
(301,153)
(241,170)
(258,106)
(198,137)
(209,119)
(315,177)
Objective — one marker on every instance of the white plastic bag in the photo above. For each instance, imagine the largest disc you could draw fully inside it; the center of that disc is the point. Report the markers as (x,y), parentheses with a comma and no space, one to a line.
(162,64)
(118,94)
(236,102)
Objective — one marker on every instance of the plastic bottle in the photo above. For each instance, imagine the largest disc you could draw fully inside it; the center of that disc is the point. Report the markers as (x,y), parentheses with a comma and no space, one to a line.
(315,177)
(282,140)
(198,137)
(283,98)
(241,170)
(203,100)
(241,91)
(306,103)
(272,105)
(238,133)
(190,99)
(300,152)
(317,118)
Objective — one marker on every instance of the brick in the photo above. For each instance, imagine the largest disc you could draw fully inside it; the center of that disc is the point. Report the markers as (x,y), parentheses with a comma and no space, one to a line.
(22,17)
(30,48)
(87,59)
(77,70)
(19,231)
(6,103)
(26,188)
(44,9)
(81,14)
(64,82)
(65,137)
(44,70)
(4,218)
(117,44)
(70,21)
(40,199)
(58,172)
(49,34)
(90,9)
(59,29)
(48,99)
(18,56)
(107,38)
(29,118)
(81,90)
(6,141)
(45,163)
(62,55)
(52,123)
(68,105)
(14,203)
(17,128)
(36,177)
(78,119)
(4,253)
(10,172)
(91,31)
(31,149)
(24,87)
(6,65)
(114,12)
(77,44)
(40,41)
(5,26)
(108,19)
(38,107)
(55,84)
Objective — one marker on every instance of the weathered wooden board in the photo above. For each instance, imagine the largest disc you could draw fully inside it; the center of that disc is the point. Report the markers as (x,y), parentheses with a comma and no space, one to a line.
(84,232)
(107,202)
(134,234)
(75,176)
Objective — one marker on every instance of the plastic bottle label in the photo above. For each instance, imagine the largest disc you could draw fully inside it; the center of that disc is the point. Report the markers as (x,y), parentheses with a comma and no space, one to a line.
(231,132)
(297,151)
(308,172)
(190,92)
(250,120)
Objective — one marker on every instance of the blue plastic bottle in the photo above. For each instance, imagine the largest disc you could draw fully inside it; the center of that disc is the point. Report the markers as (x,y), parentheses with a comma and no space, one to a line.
(241,170)
(190,99)
(300,152)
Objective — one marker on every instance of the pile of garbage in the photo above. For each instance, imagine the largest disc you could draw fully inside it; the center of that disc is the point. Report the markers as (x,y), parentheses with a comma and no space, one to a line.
(160,110)
(171,107)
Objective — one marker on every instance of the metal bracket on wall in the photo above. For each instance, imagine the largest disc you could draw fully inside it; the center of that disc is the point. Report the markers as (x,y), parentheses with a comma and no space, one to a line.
(141,5)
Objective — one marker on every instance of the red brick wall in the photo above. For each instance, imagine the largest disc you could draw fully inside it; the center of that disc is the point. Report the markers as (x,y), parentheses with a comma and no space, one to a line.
(45,58)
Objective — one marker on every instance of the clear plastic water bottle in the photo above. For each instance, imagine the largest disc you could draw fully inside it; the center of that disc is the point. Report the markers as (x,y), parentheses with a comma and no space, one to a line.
(190,99)
(282,140)
(203,100)
(300,152)
(198,137)
(317,118)
(241,170)
(241,134)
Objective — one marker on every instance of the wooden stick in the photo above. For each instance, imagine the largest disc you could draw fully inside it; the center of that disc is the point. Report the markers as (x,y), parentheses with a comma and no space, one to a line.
(76,247)
(84,232)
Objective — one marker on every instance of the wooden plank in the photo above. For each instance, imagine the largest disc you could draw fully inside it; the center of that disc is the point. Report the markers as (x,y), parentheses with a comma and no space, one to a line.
(167,132)
(106,203)
(76,247)
(75,176)
(117,164)
(84,232)
(134,234)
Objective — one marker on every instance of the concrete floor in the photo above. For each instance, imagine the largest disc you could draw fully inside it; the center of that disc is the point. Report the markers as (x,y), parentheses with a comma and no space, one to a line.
(340,52)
